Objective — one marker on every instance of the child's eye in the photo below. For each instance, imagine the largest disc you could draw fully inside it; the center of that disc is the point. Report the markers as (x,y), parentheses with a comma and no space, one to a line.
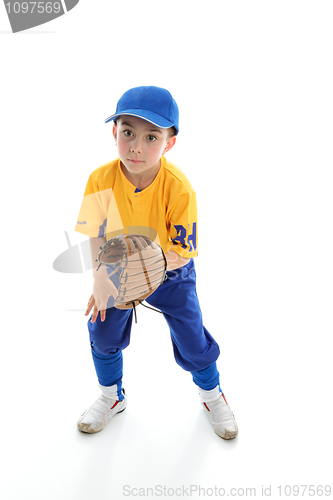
(151,138)
(128,133)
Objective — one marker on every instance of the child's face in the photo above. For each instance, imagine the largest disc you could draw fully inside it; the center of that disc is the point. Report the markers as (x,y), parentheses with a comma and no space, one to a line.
(141,144)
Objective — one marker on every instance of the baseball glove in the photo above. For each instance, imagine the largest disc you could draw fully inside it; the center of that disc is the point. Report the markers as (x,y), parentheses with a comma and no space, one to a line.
(143,266)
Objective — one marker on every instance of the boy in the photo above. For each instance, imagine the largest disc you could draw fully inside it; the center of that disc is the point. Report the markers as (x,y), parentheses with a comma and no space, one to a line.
(141,192)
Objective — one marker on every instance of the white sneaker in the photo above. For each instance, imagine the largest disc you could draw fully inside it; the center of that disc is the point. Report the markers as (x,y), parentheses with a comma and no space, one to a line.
(100,413)
(221,417)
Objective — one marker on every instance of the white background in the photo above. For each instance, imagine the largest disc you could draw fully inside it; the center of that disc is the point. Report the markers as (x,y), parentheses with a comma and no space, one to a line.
(253,81)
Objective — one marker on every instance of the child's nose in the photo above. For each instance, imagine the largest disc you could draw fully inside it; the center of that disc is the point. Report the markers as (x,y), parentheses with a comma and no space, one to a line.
(136,146)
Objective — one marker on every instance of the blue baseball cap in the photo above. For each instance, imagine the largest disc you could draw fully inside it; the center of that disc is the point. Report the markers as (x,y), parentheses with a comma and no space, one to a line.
(153,104)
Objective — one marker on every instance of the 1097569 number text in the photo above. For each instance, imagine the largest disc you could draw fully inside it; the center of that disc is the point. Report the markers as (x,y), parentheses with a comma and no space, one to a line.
(33,7)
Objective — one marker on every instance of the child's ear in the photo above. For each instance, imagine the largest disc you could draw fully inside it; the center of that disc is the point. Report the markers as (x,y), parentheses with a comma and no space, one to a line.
(170,144)
(114,131)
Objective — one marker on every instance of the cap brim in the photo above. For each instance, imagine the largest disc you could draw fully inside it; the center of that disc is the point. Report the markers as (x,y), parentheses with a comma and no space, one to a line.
(149,116)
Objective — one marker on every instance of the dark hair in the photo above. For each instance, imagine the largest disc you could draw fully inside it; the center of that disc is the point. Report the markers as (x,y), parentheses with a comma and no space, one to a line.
(172,131)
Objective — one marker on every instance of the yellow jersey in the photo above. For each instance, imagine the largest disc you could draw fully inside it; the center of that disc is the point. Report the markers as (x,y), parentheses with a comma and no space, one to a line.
(166,210)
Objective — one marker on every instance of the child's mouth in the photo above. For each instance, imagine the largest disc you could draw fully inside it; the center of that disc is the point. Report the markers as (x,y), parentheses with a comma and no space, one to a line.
(136,162)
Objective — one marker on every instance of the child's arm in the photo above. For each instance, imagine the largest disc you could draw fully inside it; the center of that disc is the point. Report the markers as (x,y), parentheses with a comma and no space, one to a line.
(103,287)
(174,260)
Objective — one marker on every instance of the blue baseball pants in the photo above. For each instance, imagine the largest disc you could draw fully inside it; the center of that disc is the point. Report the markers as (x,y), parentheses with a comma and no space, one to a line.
(194,348)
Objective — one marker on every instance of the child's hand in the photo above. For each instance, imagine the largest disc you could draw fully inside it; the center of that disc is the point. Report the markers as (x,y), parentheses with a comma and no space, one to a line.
(90,305)
(102,290)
